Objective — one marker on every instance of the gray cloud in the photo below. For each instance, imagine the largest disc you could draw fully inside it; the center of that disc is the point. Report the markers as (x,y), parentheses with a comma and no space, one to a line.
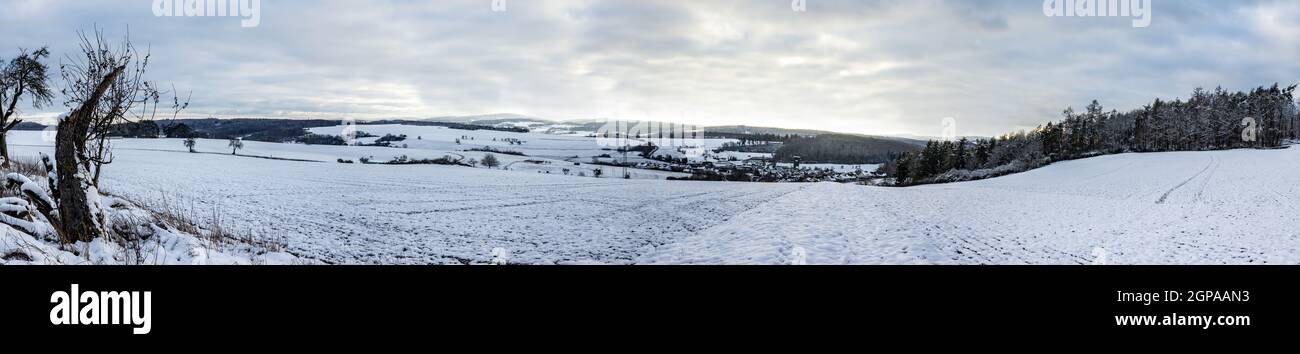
(860,66)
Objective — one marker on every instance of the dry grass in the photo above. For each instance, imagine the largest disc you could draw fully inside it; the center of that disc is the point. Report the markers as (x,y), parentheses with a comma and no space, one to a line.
(133,220)
(134,223)
(28,166)
(209,224)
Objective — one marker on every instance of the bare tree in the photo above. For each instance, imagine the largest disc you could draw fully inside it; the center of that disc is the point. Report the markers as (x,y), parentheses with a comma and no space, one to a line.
(127,91)
(235,145)
(490,161)
(190,142)
(101,87)
(79,221)
(177,107)
(25,75)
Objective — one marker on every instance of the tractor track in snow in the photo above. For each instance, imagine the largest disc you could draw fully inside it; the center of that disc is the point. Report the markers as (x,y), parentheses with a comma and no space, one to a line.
(1213,162)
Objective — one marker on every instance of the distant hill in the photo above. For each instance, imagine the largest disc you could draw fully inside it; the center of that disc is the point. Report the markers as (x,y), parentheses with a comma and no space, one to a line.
(591,125)
(844,149)
(29,126)
(733,131)
(743,129)
(812,146)
(285,130)
(488,119)
(452,125)
(255,129)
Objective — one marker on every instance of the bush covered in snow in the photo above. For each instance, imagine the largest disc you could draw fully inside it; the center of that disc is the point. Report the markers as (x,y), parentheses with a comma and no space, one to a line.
(137,237)
(1016,166)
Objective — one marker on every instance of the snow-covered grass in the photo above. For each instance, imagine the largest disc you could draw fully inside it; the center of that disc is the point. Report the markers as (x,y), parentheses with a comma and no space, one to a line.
(421,214)
(156,240)
(1223,207)
(161,232)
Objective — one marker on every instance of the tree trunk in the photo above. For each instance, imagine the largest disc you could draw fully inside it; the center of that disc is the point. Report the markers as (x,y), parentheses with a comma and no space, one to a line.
(4,150)
(78,219)
(74,209)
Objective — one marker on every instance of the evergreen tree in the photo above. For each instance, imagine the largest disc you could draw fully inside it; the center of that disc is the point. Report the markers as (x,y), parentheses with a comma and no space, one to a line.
(902,170)
(960,154)
(1206,121)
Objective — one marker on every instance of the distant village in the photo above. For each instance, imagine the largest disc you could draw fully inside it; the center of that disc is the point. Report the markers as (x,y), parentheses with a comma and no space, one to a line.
(718,165)
(767,170)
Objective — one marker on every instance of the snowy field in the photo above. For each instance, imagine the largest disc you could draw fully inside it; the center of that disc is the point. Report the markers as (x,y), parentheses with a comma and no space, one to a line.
(534,144)
(1227,207)
(440,142)
(421,214)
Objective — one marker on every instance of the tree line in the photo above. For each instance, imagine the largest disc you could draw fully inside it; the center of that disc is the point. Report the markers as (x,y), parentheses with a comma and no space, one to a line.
(842,149)
(748,139)
(1265,117)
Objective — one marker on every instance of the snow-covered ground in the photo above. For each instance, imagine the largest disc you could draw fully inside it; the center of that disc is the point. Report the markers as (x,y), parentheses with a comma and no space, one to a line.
(164,245)
(1225,207)
(419,214)
(1233,207)
(533,144)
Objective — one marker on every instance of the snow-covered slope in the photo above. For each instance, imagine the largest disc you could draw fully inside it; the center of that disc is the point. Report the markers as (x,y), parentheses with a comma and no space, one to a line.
(1225,207)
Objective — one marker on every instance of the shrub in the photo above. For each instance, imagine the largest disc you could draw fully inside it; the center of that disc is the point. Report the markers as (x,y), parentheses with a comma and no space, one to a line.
(28,166)
(320,139)
(490,161)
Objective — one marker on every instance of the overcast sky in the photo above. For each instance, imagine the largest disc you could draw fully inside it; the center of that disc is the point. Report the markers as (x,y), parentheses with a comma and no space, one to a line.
(875,67)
